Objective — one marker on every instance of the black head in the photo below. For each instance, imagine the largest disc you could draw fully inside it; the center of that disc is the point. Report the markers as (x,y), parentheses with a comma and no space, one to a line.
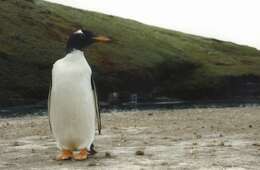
(82,39)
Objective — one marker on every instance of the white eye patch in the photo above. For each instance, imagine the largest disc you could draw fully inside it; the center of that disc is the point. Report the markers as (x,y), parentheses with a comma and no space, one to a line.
(78,32)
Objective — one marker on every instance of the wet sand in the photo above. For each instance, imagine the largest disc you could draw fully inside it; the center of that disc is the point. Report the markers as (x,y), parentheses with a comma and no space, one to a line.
(186,139)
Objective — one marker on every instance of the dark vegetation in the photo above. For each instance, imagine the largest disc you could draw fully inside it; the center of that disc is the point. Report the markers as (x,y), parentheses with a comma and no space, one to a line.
(147,60)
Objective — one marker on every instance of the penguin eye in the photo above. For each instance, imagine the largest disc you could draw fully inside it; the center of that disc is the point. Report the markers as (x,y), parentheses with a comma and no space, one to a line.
(87,33)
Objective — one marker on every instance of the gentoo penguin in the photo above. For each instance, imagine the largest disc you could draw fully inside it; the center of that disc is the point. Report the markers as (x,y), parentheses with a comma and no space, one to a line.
(72,104)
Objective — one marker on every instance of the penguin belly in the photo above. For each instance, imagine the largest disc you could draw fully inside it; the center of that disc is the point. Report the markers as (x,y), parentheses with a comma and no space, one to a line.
(72,111)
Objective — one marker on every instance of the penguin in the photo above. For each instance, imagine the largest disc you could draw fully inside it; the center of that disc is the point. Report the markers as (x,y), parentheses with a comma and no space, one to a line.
(72,101)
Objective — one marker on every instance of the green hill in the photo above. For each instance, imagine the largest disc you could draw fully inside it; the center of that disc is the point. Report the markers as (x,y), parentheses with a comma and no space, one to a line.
(142,59)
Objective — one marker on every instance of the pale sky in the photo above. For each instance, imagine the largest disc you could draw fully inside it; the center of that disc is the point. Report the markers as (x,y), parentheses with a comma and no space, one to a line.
(230,20)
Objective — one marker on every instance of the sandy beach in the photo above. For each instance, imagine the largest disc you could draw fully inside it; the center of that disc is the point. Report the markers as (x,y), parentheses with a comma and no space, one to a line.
(181,139)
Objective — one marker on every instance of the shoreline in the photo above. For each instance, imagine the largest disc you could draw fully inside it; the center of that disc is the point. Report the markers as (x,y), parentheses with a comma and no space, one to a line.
(41,108)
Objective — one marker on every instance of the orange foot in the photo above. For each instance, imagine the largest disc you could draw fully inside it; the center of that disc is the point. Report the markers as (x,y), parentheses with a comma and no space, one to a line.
(64,155)
(82,155)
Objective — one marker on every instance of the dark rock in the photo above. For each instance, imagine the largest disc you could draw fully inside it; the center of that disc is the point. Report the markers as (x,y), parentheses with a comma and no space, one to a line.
(108,155)
(139,153)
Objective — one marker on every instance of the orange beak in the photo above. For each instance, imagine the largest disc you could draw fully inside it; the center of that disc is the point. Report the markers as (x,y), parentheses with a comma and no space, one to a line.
(102,39)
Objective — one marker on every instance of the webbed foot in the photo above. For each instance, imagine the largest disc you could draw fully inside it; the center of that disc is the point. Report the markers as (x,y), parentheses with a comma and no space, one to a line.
(82,155)
(64,155)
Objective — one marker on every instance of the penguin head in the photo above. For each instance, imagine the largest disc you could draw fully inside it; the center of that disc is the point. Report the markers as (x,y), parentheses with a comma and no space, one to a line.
(83,38)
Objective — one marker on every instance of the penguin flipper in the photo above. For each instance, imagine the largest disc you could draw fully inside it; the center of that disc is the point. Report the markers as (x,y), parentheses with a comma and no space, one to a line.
(98,116)
(49,104)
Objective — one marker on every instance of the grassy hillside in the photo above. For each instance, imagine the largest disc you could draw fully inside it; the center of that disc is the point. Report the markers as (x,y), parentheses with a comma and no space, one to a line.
(141,59)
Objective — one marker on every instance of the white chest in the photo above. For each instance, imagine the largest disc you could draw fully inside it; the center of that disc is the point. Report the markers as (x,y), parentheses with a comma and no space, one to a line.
(72,70)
